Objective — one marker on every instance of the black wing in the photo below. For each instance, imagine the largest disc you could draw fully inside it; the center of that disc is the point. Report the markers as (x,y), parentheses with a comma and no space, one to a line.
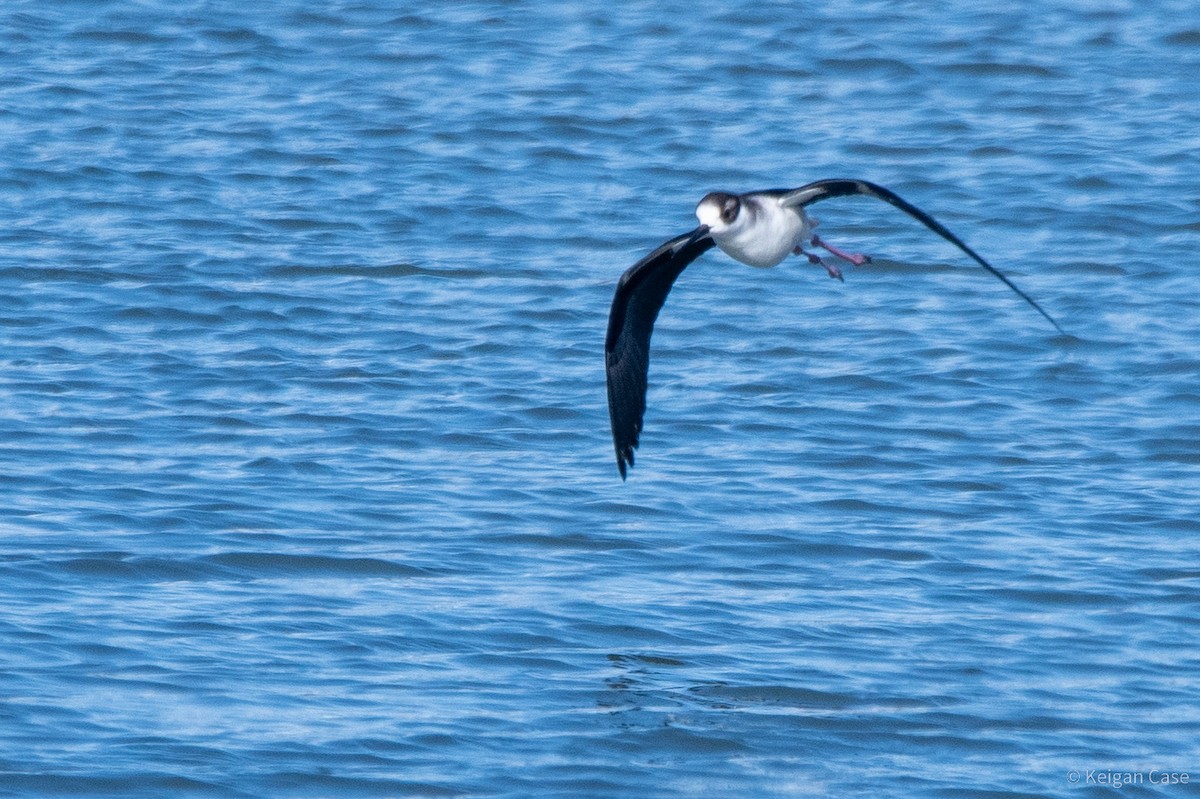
(824,189)
(640,294)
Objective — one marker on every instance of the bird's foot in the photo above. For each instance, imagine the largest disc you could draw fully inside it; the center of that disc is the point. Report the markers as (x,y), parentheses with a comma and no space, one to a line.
(858,259)
(833,271)
(817,260)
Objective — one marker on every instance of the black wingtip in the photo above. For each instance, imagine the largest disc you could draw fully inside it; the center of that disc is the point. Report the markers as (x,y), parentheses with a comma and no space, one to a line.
(622,459)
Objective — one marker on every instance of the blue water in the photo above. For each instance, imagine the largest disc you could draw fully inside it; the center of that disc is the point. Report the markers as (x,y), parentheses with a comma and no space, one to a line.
(306,484)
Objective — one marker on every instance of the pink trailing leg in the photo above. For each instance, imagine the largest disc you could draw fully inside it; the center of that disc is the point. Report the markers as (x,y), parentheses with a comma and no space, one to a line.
(858,259)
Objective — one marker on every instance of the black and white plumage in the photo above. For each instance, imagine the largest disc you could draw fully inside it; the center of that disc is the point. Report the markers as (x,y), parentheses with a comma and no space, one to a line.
(760,229)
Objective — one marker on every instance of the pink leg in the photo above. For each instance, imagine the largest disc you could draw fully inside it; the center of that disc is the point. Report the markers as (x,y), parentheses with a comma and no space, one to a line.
(855,258)
(833,271)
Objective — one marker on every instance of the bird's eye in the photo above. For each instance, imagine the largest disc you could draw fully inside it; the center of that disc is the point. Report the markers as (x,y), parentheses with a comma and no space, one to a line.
(729,210)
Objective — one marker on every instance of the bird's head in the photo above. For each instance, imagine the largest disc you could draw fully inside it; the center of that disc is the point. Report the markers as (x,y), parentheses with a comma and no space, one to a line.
(718,210)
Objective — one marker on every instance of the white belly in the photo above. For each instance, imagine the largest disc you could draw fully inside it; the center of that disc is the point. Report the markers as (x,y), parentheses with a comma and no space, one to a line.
(773,235)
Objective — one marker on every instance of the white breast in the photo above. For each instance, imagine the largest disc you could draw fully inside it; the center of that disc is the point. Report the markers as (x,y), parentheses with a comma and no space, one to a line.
(764,233)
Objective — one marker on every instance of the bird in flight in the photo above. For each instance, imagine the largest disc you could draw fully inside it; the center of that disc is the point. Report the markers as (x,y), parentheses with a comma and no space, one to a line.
(759,228)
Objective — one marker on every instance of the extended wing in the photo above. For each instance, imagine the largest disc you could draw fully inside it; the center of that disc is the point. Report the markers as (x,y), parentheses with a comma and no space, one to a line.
(640,294)
(825,189)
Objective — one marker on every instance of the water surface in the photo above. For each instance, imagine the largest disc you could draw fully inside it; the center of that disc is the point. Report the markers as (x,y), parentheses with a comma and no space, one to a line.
(307,485)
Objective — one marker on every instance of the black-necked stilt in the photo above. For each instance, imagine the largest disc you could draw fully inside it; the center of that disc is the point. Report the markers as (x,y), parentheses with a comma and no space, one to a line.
(759,228)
